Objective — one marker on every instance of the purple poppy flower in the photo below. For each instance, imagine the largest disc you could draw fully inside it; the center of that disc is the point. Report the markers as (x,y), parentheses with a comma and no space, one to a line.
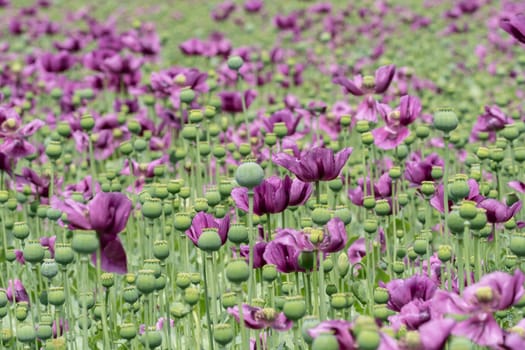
(339,328)
(16,292)
(57,63)
(514,25)
(261,318)
(438,200)
(498,212)
(273,195)
(382,189)
(107,214)
(412,315)
(368,110)
(193,47)
(284,250)
(383,78)
(203,220)
(335,238)
(494,292)
(517,186)
(395,130)
(15,135)
(253,6)
(49,243)
(223,11)
(418,170)
(316,164)
(403,291)
(434,333)
(491,121)
(283,116)
(258,254)
(515,337)
(357,250)
(232,101)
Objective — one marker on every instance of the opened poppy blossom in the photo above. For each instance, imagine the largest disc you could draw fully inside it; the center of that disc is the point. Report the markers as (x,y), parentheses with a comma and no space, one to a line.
(315,164)
(107,214)
(261,318)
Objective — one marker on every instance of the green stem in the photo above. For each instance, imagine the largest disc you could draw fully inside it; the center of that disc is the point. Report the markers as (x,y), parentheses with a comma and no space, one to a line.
(251,285)
(207,303)
(322,304)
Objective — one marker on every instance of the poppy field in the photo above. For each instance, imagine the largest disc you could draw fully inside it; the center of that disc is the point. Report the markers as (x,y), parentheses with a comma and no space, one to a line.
(258,174)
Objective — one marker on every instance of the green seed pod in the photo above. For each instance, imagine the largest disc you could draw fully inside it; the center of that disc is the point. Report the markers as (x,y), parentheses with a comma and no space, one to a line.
(187,95)
(294,308)
(64,253)
(445,120)
(381,295)
(128,331)
(152,208)
(25,333)
(153,265)
(21,230)
(517,245)
(33,252)
(201,204)
(249,175)
(152,337)
(325,341)
(182,221)
(369,202)
(444,253)
(456,224)
(87,123)
(85,242)
(223,333)
(398,267)
(191,295)
(370,226)
(53,150)
(344,214)
(269,272)
(237,271)
(209,240)
(229,299)
(161,249)
(49,268)
(146,281)
(44,332)
(130,294)
(107,279)
(382,207)
(235,62)
(21,311)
